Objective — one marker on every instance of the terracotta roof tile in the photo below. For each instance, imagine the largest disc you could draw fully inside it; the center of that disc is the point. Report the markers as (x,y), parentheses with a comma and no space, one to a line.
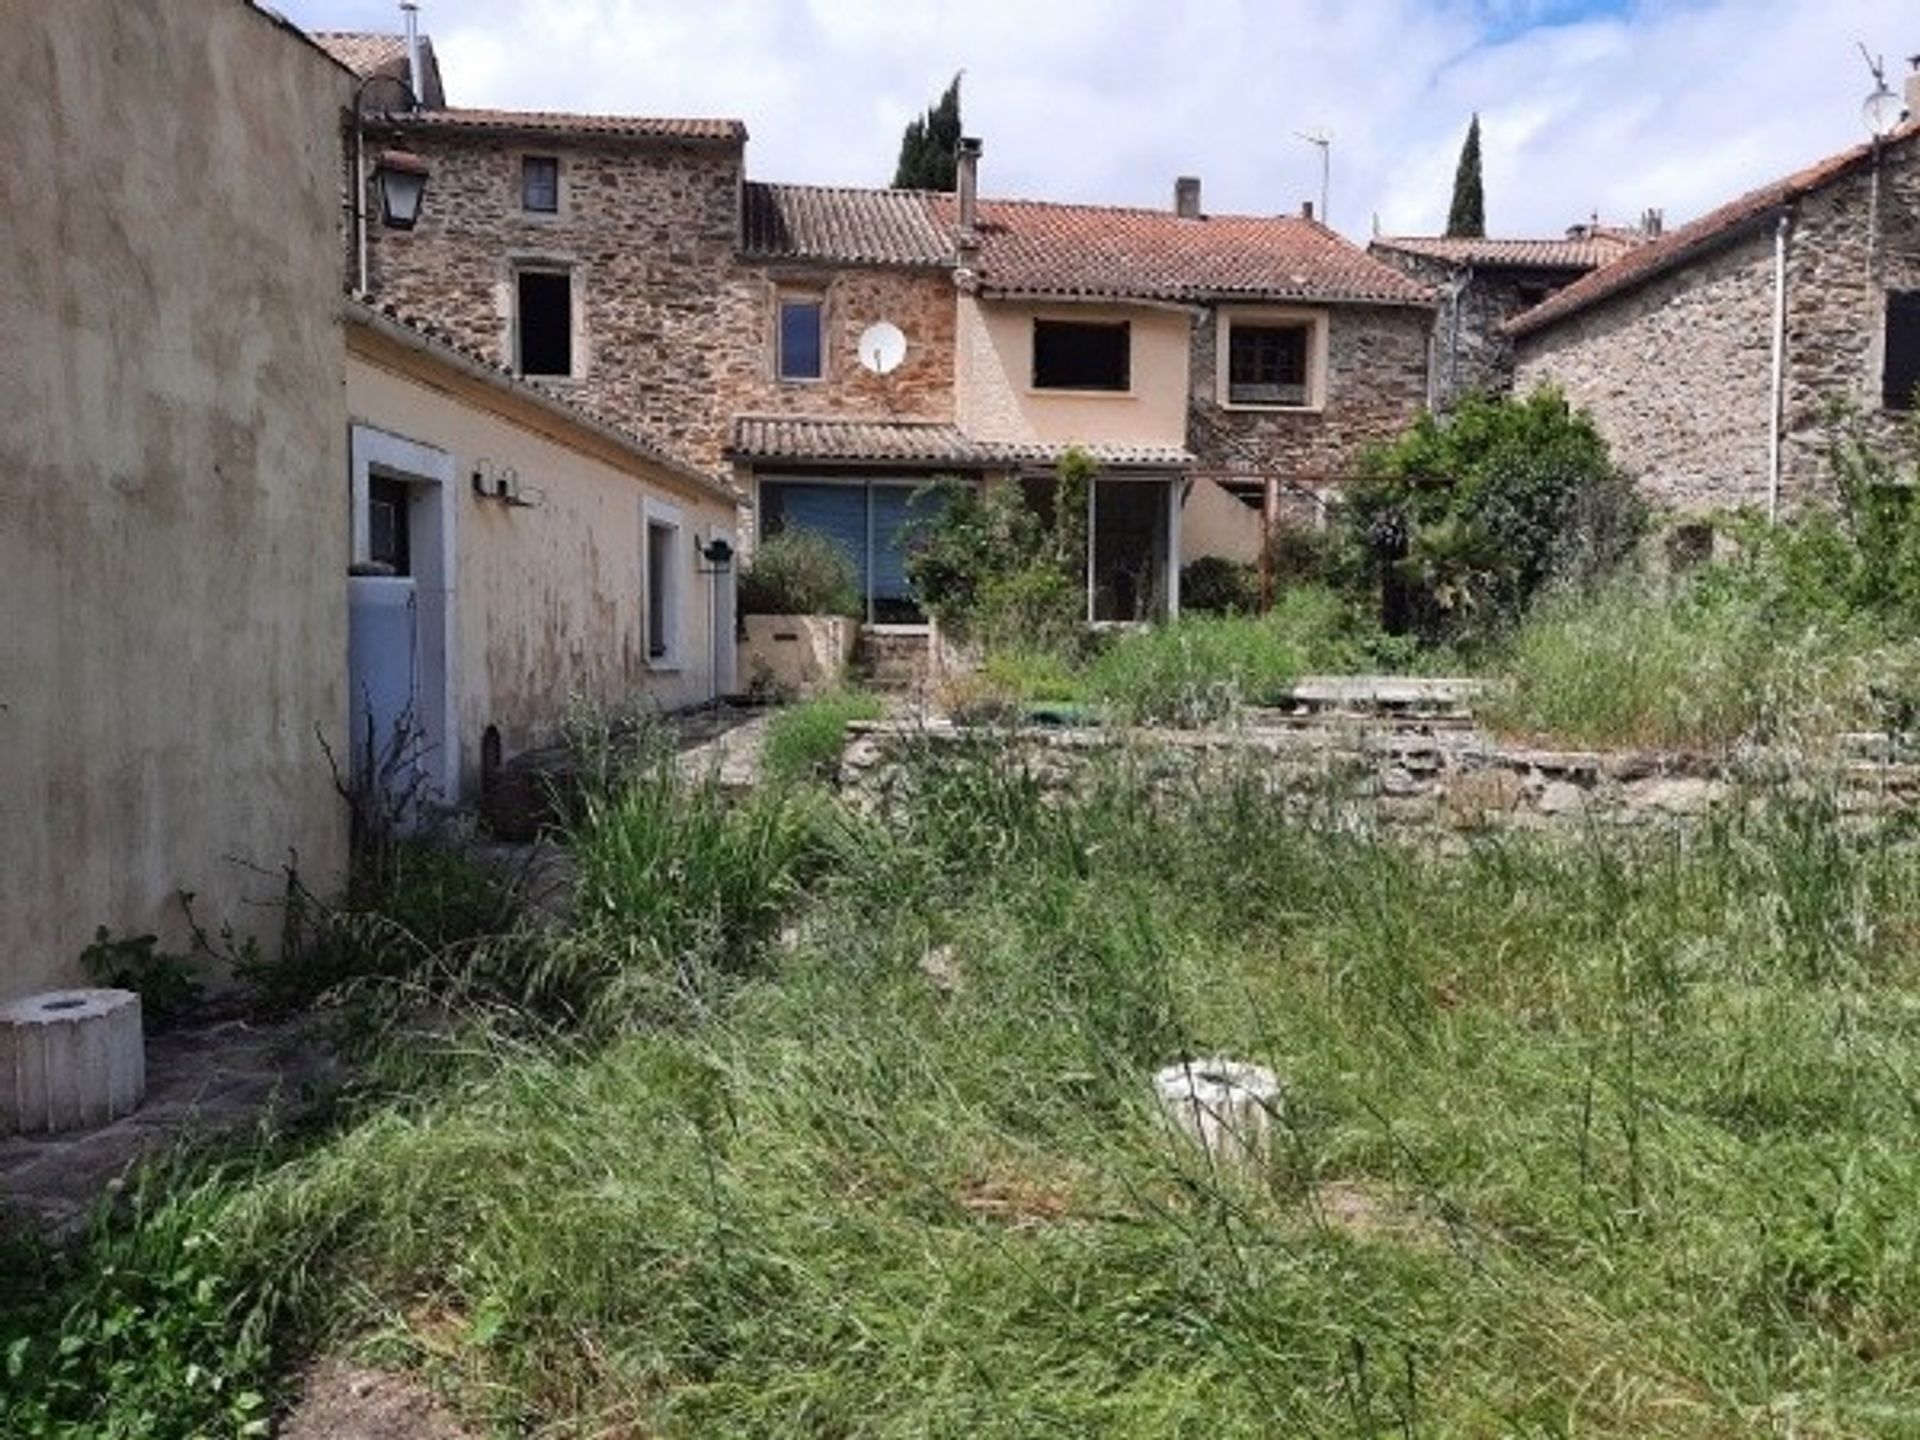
(363,52)
(918,442)
(839,223)
(377,312)
(1709,232)
(1572,252)
(1029,247)
(641,127)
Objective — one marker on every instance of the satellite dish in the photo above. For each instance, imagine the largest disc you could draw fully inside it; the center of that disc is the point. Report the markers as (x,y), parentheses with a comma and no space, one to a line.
(882,347)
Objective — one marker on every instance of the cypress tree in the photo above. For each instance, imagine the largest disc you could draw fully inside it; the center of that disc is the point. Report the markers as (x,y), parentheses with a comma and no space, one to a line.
(1467,215)
(929,150)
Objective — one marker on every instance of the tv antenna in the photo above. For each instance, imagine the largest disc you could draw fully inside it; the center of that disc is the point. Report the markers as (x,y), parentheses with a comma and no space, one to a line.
(1323,137)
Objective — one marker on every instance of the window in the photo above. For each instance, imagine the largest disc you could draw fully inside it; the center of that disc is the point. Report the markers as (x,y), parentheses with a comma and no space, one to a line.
(1267,364)
(663,591)
(545,313)
(801,351)
(874,523)
(540,184)
(389,534)
(1076,355)
(1900,374)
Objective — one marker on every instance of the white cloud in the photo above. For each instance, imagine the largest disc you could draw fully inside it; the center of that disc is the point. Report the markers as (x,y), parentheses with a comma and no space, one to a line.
(1678,105)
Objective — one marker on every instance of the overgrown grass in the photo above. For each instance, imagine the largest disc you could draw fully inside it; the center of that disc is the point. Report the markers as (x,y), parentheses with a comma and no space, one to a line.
(804,741)
(1704,669)
(1627,1124)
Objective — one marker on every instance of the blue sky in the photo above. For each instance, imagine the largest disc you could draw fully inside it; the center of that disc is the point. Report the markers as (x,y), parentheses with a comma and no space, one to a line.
(1607,106)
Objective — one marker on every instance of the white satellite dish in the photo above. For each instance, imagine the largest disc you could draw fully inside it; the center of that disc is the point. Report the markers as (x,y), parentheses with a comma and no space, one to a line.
(882,347)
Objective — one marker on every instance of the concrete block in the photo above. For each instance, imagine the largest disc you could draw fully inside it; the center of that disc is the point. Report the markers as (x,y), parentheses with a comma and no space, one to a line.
(1227,1107)
(70,1060)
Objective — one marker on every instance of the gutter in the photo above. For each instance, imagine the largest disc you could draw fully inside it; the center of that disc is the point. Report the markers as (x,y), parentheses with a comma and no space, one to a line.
(405,336)
(1781,229)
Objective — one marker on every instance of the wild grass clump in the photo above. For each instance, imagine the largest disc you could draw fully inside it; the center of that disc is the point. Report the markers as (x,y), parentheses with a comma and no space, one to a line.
(1202,669)
(1608,1135)
(804,741)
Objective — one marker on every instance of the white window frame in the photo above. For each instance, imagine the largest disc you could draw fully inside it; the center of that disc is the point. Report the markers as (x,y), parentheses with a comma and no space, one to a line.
(1268,317)
(658,515)
(782,299)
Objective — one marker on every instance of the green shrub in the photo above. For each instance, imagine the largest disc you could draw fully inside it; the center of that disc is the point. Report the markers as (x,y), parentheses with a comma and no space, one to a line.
(804,741)
(799,572)
(163,980)
(1468,516)
(1214,585)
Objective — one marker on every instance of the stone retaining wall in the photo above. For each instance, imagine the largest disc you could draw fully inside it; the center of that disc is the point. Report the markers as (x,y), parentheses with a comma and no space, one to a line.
(1395,778)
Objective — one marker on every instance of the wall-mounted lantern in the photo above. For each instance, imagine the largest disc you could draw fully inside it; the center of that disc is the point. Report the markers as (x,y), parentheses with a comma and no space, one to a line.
(717,552)
(401,178)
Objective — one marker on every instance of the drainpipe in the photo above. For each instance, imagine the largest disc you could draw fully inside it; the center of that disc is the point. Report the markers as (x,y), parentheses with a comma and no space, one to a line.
(1779,365)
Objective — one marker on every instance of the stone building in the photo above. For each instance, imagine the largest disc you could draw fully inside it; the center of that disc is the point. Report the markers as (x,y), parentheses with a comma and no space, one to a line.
(1709,357)
(1483,283)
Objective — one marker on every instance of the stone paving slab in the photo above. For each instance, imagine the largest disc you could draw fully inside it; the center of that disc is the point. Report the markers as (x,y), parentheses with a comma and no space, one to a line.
(216,1076)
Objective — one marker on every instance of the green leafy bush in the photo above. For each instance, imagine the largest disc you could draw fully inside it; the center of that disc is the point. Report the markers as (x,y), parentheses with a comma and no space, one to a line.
(1467,517)
(994,571)
(799,572)
(1215,585)
(804,741)
(164,981)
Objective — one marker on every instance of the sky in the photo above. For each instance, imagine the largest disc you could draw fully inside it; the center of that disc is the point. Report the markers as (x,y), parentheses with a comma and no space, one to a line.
(1607,107)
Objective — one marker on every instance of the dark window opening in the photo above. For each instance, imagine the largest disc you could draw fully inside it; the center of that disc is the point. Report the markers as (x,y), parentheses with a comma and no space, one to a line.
(801,353)
(540,184)
(1076,355)
(1267,364)
(546,322)
(389,532)
(1900,375)
(660,591)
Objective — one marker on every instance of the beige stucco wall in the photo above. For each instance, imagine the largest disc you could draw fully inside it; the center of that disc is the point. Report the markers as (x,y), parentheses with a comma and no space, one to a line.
(171,430)
(997,401)
(548,599)
(1212,522)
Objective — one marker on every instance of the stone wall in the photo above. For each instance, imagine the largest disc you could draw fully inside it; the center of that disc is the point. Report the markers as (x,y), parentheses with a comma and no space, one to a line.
(1678,372)
(1470,350)
(1376,386)
(919,301)
(648,229)
(1437,780)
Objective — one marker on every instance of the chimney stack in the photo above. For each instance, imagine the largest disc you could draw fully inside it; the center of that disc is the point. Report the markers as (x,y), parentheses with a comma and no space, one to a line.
(968,185)
(1652,223)
(410,15)
(1186,197)
(1306,209)
(1913,86)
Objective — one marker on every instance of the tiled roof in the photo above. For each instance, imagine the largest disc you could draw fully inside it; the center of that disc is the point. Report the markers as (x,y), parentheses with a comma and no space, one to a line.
(410,329)
(1709,232)
(1029,247)
(642,127)
(917,442)
(1573,252)
(839,223)
(362,52)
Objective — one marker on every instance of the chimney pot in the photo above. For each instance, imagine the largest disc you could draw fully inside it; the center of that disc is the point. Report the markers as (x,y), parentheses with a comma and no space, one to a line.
(1306,209)
(967,186)
(1186,197)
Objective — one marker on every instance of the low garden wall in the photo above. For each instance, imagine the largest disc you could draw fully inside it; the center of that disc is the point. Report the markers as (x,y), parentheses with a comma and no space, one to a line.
(1449,778)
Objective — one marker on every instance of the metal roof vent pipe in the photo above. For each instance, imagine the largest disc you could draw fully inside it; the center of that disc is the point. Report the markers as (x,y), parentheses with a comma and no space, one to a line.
(967,185)
(1306,209)
(1186,197)
(410,17)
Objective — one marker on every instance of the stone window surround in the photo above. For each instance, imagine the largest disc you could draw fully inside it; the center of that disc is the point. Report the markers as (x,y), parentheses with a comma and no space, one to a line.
(1317,345)
(810,292)
(563,188)
(508,304)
